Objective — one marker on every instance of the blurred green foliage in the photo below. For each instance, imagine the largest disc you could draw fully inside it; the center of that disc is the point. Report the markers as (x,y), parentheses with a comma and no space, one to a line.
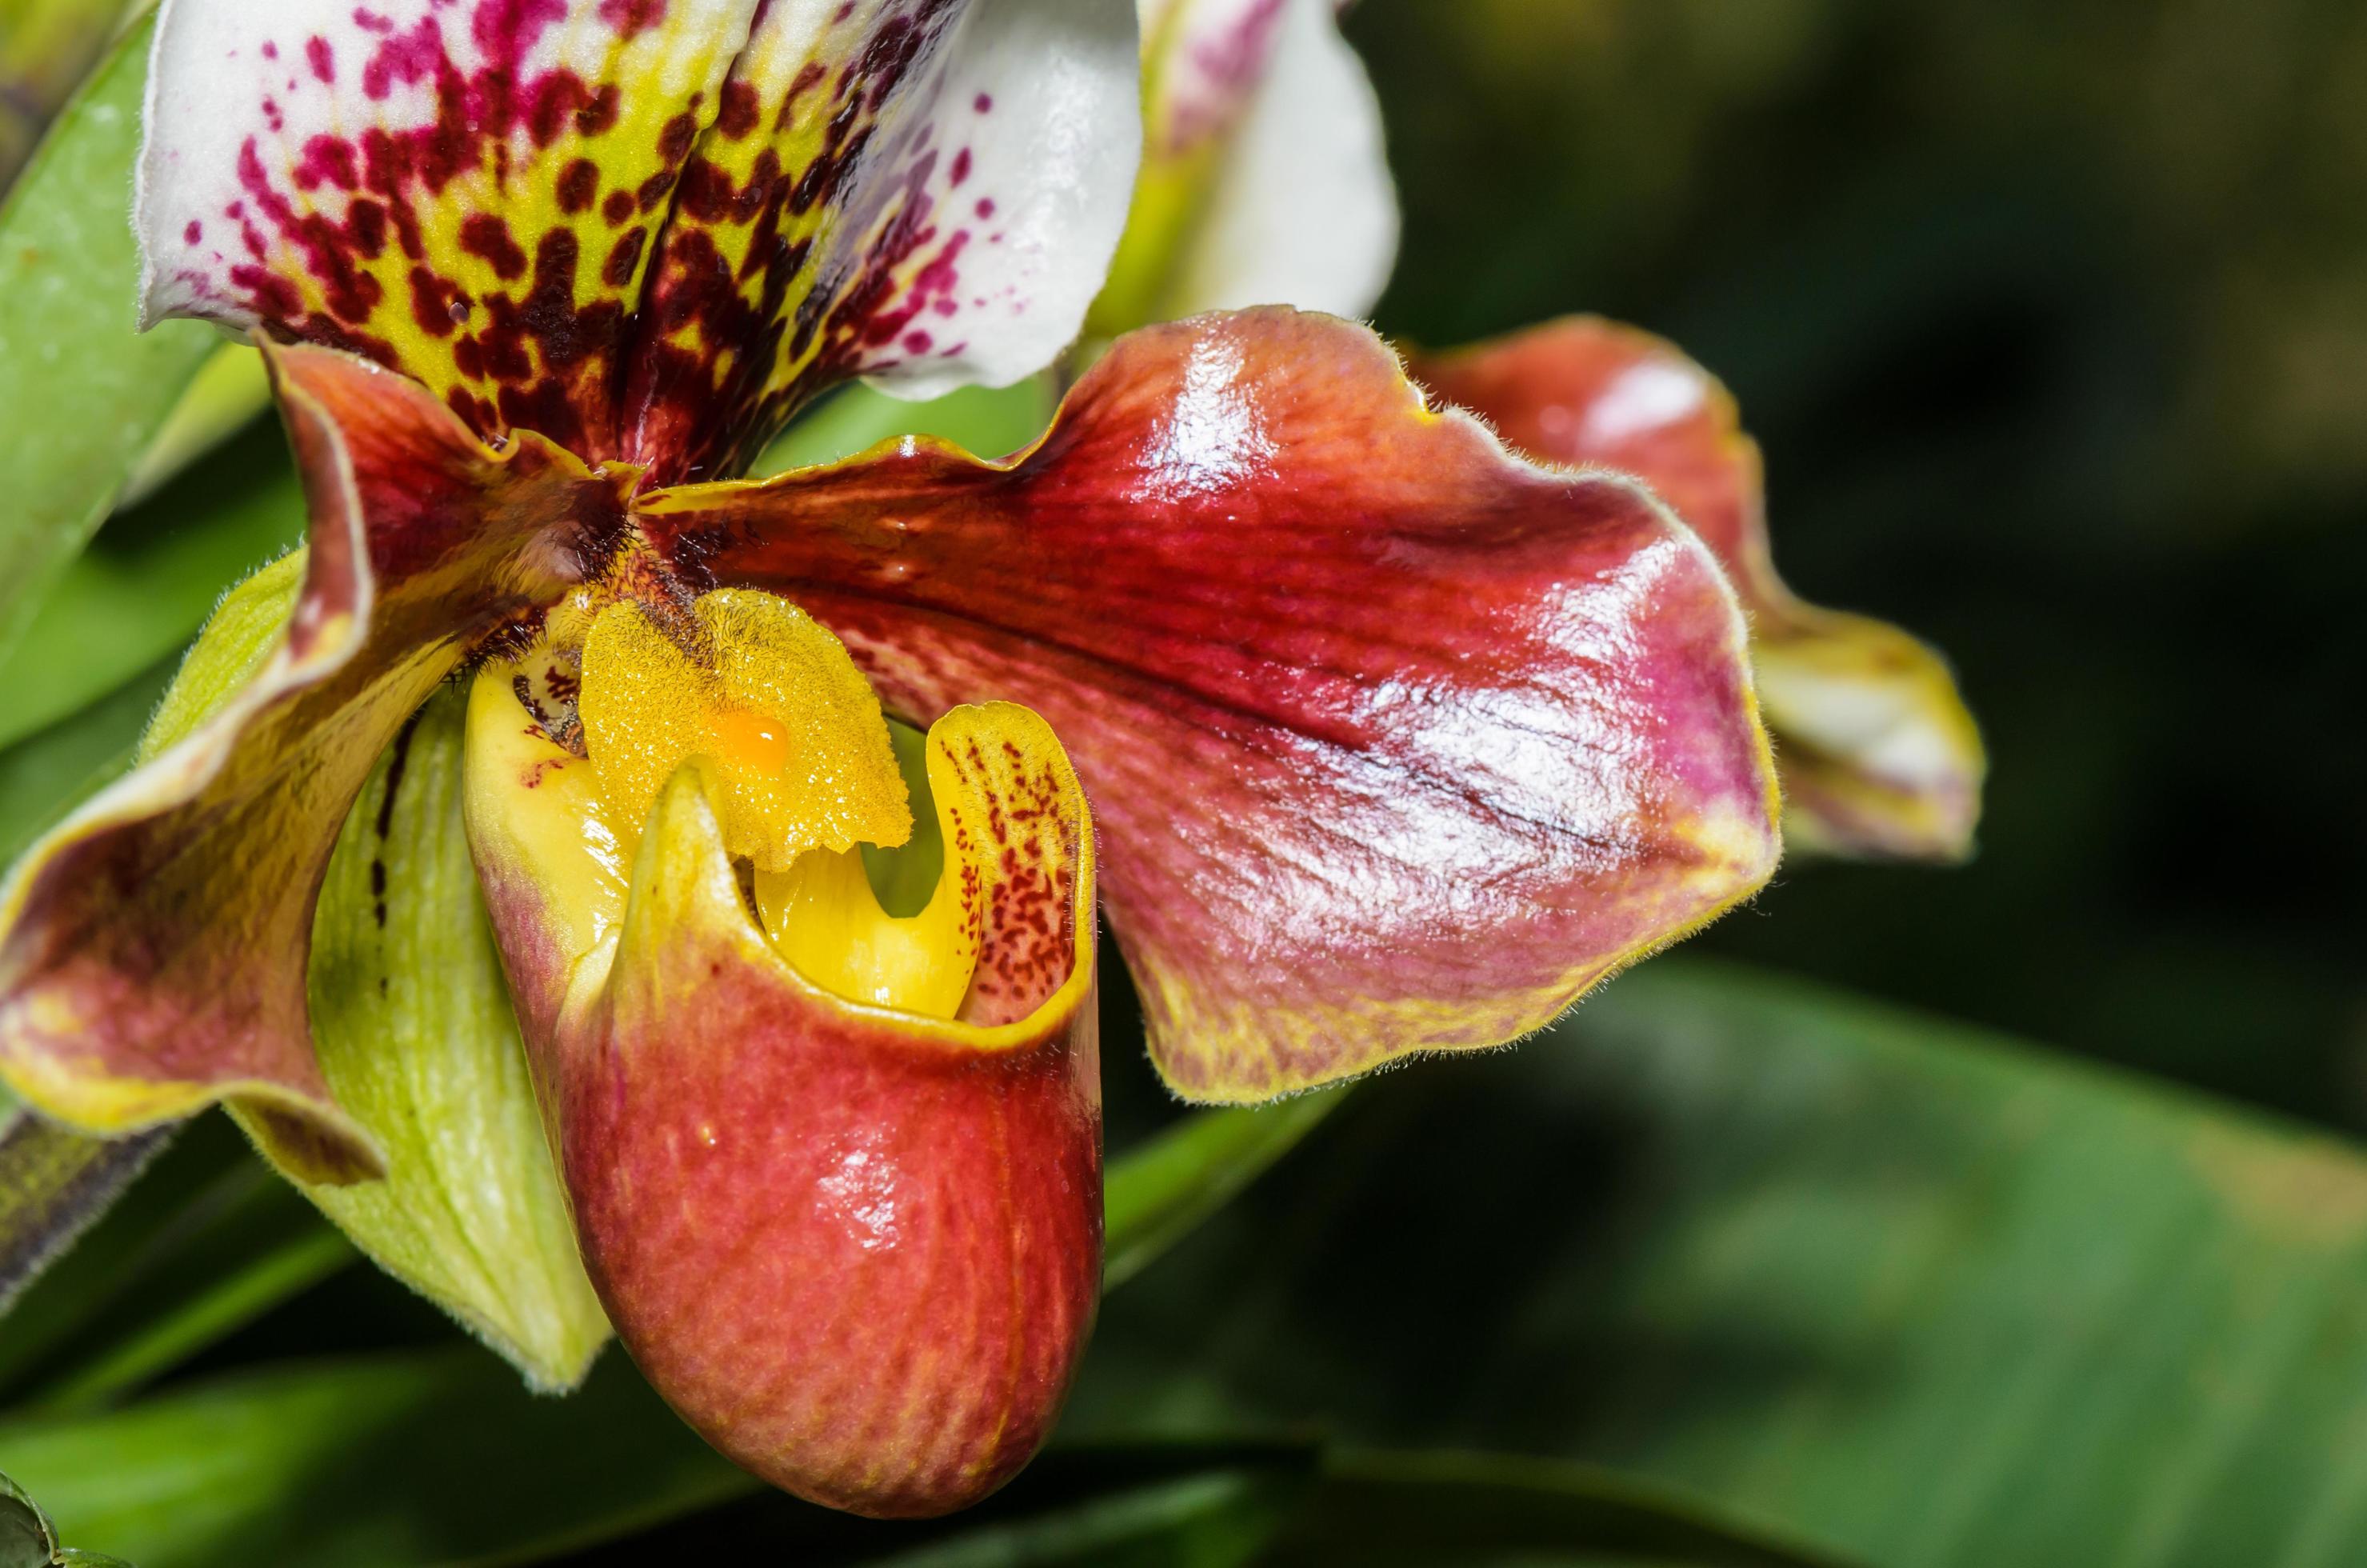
(45,48)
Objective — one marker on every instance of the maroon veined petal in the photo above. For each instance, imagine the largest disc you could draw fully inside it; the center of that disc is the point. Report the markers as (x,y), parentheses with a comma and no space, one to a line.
(1399,741)
(1878,754)
(152,946)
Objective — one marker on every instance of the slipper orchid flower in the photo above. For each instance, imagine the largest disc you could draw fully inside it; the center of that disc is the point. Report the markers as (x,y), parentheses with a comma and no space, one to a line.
(1879,755)
(1395,742)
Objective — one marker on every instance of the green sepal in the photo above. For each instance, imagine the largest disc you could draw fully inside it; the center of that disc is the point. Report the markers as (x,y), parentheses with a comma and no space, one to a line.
(413,1028)
(239,636)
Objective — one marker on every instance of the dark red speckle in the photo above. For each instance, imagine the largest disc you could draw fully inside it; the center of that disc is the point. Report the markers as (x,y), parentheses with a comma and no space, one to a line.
(435,304)
(327,160)
(579,182)
(508,29)
(622,258)
(483,234)
(632,16)
(736,116)
(317,55)
(984,103)
(366,222)
(960,170)
(619,208)
(194,232)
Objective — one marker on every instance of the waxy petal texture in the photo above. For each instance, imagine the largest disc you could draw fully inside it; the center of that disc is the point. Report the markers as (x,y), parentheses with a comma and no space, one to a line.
(152,946)
(540,207)
(1264,180)
(1878,754)
(857,1248)
(1400,743)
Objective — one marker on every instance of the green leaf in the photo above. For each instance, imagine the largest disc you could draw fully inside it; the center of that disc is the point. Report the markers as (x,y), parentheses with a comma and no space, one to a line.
(1222,1509)
(1374,1508)
(44,775)
(229,390)
(45,48)
(145,585)
(441,1457)
(1895,1286)
(25,1538)
(1161,1191)
(82,392)
(227,1300)
(1305,1505)
(395,1460)
(205,1243)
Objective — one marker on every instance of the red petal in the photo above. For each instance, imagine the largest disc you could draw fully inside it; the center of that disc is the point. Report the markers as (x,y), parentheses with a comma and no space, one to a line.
(1398,743)
(153,946)
(1879,755)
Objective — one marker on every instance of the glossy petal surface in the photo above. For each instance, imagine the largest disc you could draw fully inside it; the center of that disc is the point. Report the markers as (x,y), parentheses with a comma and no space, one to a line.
(152,946)
(858,1248)
(1398,743)
(477,192)
(1878,754)
(1264,180)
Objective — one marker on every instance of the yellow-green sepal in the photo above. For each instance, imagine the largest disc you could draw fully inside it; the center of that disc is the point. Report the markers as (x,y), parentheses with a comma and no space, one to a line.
(413,1028)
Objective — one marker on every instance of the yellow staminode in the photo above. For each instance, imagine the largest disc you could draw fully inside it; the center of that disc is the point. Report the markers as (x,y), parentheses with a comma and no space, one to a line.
(799,746)
(823,916)
(1017,840)
(794,757)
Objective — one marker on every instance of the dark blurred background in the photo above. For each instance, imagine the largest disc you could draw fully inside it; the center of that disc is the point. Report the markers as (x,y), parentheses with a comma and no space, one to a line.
(2052,317)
